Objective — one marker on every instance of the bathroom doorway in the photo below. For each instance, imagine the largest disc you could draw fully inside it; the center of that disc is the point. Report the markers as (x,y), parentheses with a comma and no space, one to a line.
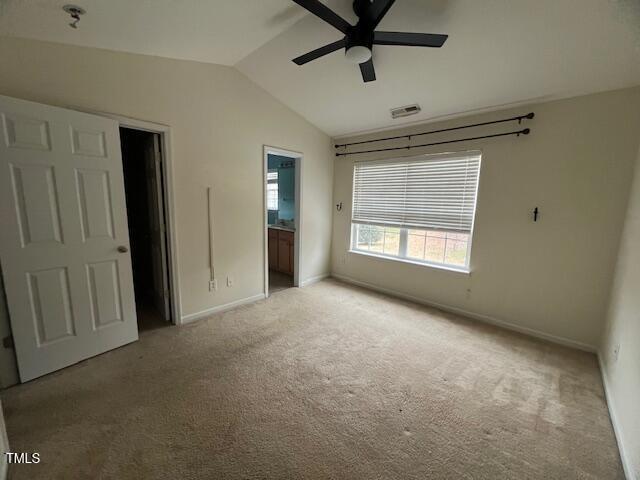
(282,219)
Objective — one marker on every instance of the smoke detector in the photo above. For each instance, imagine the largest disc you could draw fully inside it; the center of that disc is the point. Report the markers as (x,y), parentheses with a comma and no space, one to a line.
(405,111)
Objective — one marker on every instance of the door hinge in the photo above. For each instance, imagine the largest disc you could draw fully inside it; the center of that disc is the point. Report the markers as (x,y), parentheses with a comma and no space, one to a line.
(7,342)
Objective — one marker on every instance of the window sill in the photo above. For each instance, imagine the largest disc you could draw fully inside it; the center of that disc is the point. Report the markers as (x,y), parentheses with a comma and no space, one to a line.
(463,270)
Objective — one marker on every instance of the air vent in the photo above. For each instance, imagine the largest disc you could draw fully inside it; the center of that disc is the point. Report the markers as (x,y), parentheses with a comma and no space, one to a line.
(405,111)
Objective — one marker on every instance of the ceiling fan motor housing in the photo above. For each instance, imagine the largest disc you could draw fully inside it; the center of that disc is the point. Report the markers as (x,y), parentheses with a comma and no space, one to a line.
(359,36)
(360,7)
(362,33)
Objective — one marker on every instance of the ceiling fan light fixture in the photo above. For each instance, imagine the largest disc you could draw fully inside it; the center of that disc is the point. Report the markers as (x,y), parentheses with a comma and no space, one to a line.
(358,54)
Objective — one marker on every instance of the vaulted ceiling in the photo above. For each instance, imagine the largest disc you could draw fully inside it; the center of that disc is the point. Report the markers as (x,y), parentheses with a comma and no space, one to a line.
(499,52)
(214,31)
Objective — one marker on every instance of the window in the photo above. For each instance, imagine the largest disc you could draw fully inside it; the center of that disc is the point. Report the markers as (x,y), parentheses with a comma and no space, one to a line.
(272,190)
(419,209)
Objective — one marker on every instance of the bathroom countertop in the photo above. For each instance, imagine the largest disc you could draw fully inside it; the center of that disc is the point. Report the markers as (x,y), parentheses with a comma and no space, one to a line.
(283,227)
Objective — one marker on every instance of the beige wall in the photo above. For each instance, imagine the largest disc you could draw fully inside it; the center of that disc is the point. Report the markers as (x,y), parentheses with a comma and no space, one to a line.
(551,277)
(220,121)
(623,331)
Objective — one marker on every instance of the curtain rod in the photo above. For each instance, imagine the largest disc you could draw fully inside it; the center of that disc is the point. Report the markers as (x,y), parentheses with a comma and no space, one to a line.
(518,119)
(526,131)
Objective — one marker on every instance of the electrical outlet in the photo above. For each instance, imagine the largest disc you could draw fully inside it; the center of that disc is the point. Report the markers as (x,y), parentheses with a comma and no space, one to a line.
(213,285)
(229,281)
(616,352)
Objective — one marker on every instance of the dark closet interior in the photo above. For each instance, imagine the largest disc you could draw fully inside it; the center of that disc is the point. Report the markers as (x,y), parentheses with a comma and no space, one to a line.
(139,149)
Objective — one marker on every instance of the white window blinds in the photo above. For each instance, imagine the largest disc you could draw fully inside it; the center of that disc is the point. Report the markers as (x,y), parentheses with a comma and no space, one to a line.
(431,192)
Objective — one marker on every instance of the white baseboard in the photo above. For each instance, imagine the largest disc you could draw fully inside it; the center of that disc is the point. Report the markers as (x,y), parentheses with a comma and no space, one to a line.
(312,280)
(626,463)
(192,317)
(476,316)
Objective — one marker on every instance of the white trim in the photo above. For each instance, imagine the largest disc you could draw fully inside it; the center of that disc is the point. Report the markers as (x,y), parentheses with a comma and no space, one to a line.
(297,257)
(617,430)
(4,441)
(170,205)
(316,279)
(265,239)
(476,316)
(192,317)
(297,236)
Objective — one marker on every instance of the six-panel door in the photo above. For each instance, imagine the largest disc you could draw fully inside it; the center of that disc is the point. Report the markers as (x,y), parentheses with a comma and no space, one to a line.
(69,289)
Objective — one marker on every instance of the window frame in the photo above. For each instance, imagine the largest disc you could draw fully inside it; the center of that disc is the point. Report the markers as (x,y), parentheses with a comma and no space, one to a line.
(402,254)
(466,269)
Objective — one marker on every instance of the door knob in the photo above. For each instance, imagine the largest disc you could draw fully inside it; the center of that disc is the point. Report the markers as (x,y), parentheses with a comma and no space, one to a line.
(123,249)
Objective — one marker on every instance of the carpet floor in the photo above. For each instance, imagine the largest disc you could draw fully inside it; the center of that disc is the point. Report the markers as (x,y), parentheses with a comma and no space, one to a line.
(326,382)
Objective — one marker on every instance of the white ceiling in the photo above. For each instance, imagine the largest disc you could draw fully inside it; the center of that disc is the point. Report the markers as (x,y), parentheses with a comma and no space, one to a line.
(499,52)
(214,31)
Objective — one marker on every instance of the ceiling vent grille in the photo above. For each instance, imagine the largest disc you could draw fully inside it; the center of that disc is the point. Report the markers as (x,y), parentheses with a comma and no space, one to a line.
(405,111)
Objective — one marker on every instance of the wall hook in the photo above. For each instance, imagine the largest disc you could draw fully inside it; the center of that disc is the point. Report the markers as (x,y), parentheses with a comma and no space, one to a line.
(339,207)
(75,12)
(535,214)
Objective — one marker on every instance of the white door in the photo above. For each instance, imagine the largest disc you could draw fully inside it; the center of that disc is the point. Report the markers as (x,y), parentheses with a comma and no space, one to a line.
(64,240)
(157,227)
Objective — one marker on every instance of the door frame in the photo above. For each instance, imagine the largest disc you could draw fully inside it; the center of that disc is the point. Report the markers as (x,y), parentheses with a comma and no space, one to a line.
(4,443)
(297,237)
(169,202)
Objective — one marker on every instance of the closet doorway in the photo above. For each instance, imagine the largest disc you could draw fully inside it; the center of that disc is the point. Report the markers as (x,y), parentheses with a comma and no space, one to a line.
(143,168)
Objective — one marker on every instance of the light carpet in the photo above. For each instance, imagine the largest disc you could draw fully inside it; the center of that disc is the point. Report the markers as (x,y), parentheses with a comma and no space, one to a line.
(326,382)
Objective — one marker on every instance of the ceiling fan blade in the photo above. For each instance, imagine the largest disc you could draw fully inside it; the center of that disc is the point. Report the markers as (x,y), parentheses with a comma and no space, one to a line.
(320,52)
(409,39)
(325,13)
(367,70)
(375,12)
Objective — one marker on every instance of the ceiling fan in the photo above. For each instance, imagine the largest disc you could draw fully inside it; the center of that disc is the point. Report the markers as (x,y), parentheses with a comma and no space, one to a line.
(359,39)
